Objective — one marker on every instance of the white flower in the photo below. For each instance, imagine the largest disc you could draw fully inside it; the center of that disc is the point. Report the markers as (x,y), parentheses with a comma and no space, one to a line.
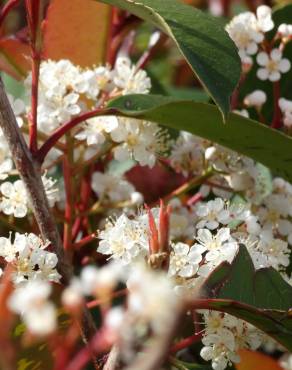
(224,336)
(58,101)
(94,130)
(187,155)
(255,99)
(264,18)
(286,108)
(212,214)
(111,188)
(5,167)
(123,239)
(276,252)
(72,296)
(220,247)
(29,256)
(181,220)
(285,30)
(129,79)
(151,297)
(100,282)
(51,190)
(247,31)
(30,300)
(140,140)
(184,261)
(14,199)
(243,31)
(115,319)
(273,65)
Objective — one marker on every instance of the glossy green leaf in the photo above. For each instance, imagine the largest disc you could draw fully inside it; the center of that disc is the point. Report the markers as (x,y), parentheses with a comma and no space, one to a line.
(248,137)
(261,297)
(200,38)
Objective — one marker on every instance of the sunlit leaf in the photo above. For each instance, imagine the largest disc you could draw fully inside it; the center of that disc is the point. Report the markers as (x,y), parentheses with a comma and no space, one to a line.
(248,137)
(200,38)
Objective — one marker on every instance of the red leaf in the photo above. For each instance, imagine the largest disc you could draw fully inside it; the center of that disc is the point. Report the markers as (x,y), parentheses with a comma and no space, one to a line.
(256,361)
(14,57)
(76,30)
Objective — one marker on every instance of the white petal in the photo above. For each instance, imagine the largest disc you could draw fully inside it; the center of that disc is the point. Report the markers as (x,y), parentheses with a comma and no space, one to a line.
(204,235)
(262,74)
(276,55)
(275,76)
(223,234)
(262,59)
(284,65)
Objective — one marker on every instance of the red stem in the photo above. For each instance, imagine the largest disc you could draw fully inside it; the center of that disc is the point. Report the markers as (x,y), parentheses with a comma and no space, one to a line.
(67,238)
(84,200)
(33,14)
(6,9)
(34,102)
(100,343)
(153,48)
(87,239)
(97,302)
(186,342)
(277,119)
(61,131)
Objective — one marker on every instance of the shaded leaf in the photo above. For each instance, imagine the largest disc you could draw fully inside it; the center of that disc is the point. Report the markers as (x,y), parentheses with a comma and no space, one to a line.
(201,39)
(76,30)
(248,137)
(261,297)
(264,288)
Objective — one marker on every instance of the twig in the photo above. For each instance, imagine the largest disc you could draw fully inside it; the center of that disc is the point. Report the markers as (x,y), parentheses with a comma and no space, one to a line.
(276,123)
(7,8)
(34,10)
(186,342)
(30,173)
(61,131)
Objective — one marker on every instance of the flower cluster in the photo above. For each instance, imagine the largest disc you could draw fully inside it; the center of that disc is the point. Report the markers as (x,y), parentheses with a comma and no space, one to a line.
(30,300)
(66,91)
(223,336)
(30,258)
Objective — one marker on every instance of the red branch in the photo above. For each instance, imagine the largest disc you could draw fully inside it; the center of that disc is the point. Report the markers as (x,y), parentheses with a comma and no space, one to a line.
(6,9)
(277,118)
(69,207)
(33,13)
(61,131)
(87,239)
(186,342)
(100,343)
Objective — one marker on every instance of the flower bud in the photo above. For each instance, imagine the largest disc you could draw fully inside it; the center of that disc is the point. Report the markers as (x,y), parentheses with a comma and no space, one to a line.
(256,99)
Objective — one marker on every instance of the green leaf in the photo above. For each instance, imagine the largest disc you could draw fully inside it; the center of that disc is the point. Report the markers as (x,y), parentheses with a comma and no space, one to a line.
(200,38)
(261,297)
(264,288)
(265,145)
